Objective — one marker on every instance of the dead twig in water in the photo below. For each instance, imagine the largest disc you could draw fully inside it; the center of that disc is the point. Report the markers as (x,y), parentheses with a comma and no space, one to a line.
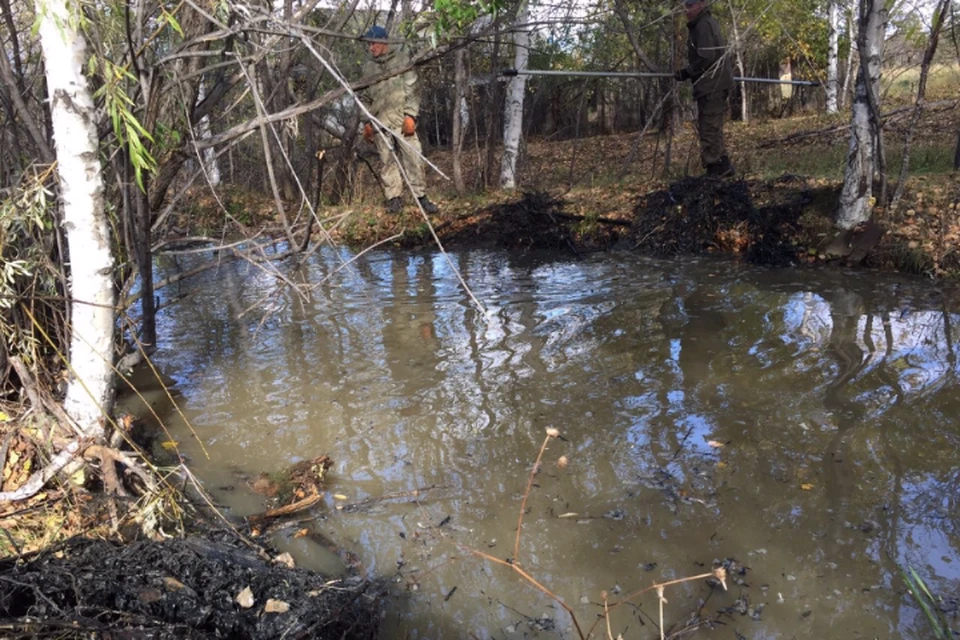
(286,510)
(396,495)
(551,433)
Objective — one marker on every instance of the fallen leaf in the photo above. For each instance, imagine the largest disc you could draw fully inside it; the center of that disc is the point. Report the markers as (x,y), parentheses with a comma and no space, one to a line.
(806,486)
(276,606)
(715,444)
(301,533)
(562,462)
(569,514)
(340,496)
(148,596)
(4,417)
(169,444)
(172,584)
(245,598)
(721,465)
(285,559)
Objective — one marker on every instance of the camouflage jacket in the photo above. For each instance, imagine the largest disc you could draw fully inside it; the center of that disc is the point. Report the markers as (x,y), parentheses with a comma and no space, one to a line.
(708,66)
(391,99)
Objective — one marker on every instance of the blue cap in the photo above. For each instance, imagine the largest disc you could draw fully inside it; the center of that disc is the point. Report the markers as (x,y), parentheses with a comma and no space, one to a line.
(376,32)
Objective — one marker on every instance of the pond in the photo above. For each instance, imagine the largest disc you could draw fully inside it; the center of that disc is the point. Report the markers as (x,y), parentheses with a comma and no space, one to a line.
(799,426)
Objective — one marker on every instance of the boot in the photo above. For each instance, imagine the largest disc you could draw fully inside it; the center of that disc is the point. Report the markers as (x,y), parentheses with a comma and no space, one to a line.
(725,168)
(394,205)
(428,206)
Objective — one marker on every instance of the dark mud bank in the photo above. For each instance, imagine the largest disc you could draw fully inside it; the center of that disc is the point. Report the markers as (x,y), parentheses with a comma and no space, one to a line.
(780,222)
(179,588)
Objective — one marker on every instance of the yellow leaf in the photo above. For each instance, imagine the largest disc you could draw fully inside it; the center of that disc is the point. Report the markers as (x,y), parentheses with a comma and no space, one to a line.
(721,465)
(339,496)
(245,598)
(806,486)
(276,606)
(169,444)
(4,417)
(79,478)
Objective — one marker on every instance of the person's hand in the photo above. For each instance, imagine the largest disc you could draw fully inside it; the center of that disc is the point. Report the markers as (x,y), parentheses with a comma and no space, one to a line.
(368,132)
(409,126)
(681,75)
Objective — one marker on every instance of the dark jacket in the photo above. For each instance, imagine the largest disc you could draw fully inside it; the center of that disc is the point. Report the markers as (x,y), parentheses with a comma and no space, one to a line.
(393,98)
(709,69)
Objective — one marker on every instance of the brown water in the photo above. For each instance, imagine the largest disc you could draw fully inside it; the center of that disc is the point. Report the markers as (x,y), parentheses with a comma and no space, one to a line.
(833,395)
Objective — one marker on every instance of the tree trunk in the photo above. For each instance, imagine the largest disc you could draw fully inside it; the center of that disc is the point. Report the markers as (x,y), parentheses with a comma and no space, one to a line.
(90,391)
(833,51)
(493,109)
(939,16)
(460,117)
(210,163)
(851,58)
(738,48)
(956,153)
(856,197)
(513,107)
(16,98)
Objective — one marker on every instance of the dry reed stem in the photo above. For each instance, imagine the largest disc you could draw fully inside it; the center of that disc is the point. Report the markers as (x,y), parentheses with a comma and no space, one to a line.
(719,573)
(526,576)
(526,494)
(661,600)
(606,615)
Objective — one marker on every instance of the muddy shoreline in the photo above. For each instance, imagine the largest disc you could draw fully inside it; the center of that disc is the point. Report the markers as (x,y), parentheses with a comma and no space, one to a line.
(783,222)
(207,584)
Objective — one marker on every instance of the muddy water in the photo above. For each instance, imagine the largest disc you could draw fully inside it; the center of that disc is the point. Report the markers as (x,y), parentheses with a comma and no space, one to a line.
(802,423)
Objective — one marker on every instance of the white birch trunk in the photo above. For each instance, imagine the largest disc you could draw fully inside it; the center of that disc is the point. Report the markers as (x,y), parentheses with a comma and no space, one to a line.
(90,391)
(210,162)
(513,111)
(738,48)
(833,52)
(848,76)
(856,197)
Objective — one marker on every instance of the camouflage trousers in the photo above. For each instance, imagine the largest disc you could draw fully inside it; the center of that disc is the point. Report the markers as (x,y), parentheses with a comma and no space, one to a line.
(409,152)
(710,111)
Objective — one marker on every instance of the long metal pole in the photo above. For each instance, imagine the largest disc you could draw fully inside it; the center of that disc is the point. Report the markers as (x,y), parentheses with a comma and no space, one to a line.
(637,74)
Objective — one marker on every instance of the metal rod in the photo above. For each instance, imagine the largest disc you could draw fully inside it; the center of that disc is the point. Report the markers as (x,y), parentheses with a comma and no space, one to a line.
(638,74)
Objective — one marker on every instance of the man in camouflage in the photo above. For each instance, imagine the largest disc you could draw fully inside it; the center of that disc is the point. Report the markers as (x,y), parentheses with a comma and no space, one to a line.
(395,103)
(709,67)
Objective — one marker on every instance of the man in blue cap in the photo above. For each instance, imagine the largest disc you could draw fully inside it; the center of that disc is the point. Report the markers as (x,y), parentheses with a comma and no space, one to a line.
(709,67)
(395,103)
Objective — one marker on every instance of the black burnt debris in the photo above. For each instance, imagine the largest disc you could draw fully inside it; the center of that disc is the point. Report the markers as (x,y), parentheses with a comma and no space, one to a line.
(758,220)
(697,215)
(197,587)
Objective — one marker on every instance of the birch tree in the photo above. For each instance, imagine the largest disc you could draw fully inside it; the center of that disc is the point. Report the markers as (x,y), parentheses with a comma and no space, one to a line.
(460,116)
(513,108)
(741,68)
(856,197)
(833,53)
(90,391)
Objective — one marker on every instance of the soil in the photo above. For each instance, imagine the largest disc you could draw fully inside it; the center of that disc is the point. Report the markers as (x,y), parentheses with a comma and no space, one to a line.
(178,588)
(761,221)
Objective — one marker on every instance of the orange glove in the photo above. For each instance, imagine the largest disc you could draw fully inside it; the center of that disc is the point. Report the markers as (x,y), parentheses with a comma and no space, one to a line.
(368,132)
(409,126)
